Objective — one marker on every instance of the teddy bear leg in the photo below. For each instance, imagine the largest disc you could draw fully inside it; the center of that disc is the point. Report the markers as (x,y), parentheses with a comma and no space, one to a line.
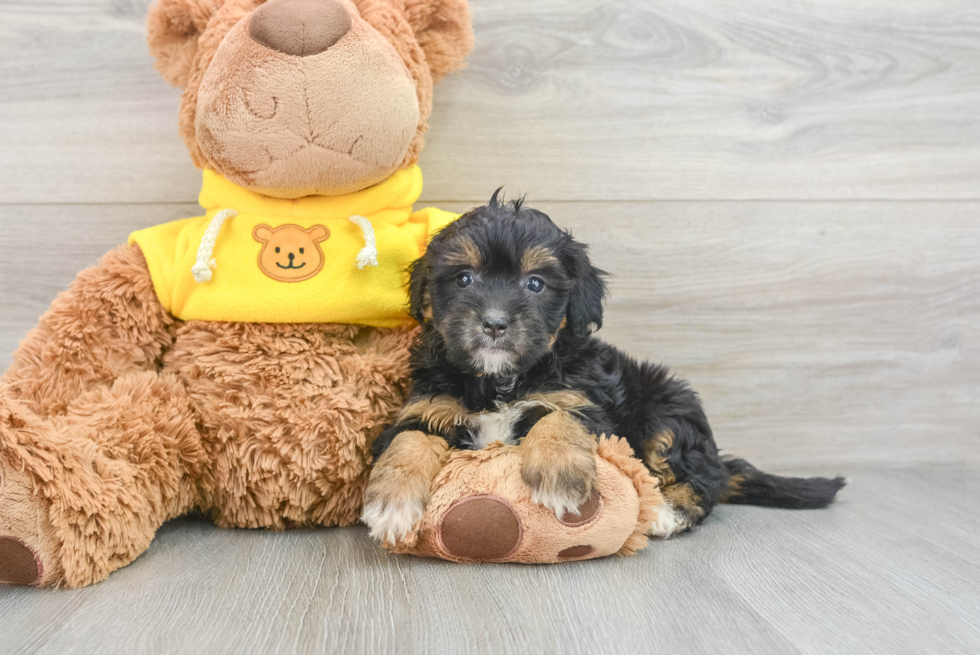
(83,494)
(30,553)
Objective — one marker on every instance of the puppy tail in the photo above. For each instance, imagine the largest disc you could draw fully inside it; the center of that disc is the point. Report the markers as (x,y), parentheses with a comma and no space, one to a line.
(747,485)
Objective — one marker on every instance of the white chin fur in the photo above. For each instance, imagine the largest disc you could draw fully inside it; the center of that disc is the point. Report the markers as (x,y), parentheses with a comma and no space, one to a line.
(668,522)
(557,502)
(493,362)
(391,522)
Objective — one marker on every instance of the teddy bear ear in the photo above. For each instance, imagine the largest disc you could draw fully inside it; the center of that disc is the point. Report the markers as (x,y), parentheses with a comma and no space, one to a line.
(444,30)
(318,233)
(262,233)
(173,28)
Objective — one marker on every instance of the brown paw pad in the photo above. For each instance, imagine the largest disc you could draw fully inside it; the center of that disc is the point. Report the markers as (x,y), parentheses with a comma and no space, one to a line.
(588,511)
(480,528)
(574,552)
(18,565)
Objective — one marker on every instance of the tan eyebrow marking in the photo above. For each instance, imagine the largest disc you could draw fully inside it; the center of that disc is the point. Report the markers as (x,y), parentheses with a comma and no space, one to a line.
(537,257)
(467,254)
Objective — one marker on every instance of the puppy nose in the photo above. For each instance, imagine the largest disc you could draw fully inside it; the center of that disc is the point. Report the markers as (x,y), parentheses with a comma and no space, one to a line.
(494,326)
(299,27)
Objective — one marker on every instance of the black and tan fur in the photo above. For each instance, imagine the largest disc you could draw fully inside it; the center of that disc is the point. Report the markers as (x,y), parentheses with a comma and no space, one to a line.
(508,303)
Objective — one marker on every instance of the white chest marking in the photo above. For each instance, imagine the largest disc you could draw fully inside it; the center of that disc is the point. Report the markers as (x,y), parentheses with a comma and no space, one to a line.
(488,427)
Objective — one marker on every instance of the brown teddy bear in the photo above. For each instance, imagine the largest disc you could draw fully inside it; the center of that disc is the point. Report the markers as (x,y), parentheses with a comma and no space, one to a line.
(240,362)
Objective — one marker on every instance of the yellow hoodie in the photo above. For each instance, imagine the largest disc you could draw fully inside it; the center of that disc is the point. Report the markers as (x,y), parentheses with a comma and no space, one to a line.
(319,259)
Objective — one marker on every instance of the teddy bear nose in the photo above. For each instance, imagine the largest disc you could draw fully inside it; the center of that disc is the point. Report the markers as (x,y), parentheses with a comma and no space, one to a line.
(299,27)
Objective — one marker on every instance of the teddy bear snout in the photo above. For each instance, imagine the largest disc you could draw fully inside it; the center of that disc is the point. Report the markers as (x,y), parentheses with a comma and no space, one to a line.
(299,27)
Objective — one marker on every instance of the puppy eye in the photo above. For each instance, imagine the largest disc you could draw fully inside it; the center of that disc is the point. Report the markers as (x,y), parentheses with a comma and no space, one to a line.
(277,248)
(535,284)
(301,251)
(464,280)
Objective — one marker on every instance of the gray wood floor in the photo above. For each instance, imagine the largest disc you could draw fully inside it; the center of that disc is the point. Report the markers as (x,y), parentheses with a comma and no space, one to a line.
(789,197)
(890,569)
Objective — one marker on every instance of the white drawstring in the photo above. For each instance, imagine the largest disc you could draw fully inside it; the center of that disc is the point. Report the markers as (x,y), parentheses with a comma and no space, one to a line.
(368,256)
(202,267)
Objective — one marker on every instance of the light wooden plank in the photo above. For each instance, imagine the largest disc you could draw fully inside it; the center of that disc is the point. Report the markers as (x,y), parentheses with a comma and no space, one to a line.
(569,99)
(83,115)
(882,571)
(815,332)
(674,99)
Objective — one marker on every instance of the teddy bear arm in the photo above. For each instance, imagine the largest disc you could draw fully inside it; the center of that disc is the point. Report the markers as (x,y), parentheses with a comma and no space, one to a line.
(108,323)
(82,494)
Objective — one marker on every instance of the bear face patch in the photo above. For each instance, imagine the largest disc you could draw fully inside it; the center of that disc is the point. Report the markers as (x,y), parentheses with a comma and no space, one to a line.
(289,252)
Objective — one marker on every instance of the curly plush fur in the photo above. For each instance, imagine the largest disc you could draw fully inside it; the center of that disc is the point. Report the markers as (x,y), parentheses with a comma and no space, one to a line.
(115,417)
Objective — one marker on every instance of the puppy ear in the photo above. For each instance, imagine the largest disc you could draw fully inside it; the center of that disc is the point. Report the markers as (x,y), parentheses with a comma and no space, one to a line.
(588,292)
(173,28)
(444,30)
(419,300)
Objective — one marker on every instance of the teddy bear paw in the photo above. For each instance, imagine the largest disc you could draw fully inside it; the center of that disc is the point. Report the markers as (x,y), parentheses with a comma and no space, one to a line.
(29,550)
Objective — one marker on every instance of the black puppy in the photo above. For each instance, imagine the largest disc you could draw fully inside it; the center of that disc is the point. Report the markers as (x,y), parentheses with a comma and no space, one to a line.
(507,303)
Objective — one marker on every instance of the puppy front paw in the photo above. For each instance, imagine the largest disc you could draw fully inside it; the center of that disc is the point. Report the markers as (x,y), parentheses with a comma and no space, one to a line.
(400,486)
(561,477)
(668,522)
(391,520)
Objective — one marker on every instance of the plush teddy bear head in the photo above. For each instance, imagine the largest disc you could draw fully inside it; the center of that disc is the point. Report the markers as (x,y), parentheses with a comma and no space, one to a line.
(300,97)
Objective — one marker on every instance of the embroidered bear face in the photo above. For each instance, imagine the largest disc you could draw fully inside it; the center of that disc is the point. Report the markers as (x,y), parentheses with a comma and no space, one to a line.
(290,253)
